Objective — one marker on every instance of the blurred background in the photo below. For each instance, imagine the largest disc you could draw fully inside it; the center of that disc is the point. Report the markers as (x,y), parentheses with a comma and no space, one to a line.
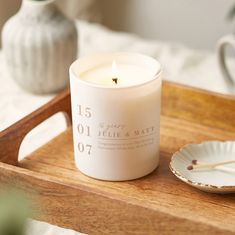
(197,24)
(182,35)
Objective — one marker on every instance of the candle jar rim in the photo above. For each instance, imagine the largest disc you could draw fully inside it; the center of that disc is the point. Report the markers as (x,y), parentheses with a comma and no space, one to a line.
(113,56)
(37,2)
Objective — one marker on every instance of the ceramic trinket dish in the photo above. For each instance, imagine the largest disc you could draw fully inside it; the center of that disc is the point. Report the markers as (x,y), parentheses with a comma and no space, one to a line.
(194,164)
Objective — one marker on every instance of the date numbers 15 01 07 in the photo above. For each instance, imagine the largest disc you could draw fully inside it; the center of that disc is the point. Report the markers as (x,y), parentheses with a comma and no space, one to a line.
(84,130)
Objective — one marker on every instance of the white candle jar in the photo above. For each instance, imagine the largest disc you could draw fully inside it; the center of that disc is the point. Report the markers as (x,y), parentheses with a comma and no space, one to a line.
(116,127)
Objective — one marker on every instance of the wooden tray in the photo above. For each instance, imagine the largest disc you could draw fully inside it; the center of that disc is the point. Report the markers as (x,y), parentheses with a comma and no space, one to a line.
(156,204)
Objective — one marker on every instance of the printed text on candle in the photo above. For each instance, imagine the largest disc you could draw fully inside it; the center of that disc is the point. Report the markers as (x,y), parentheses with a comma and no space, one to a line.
(84,130)
(120,137)
(109,136)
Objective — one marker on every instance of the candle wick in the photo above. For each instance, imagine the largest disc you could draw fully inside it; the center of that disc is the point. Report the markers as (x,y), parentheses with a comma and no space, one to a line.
(115,80)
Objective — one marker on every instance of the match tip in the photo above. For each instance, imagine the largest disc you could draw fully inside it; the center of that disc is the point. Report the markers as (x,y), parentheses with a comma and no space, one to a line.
(194,162)
(190,167)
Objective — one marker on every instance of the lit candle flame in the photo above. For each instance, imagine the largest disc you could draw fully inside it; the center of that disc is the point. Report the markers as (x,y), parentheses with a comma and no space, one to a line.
(114,72)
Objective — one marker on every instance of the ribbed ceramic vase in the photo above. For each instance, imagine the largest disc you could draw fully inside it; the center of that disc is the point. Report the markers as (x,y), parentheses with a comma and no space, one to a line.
(39,44)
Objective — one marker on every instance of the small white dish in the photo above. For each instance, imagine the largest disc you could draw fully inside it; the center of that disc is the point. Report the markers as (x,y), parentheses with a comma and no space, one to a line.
(216,180)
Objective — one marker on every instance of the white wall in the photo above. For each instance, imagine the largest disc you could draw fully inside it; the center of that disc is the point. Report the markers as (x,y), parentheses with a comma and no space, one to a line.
(197,23)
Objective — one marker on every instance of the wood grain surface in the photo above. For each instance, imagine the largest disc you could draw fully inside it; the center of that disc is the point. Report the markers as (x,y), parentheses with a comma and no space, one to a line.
(156,204)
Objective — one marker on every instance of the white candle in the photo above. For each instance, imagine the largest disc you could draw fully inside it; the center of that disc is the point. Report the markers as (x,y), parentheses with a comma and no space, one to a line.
(116,124)
(127,75)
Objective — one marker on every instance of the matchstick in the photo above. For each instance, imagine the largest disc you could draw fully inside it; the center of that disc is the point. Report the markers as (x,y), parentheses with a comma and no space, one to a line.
(222,168)
(219,166)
